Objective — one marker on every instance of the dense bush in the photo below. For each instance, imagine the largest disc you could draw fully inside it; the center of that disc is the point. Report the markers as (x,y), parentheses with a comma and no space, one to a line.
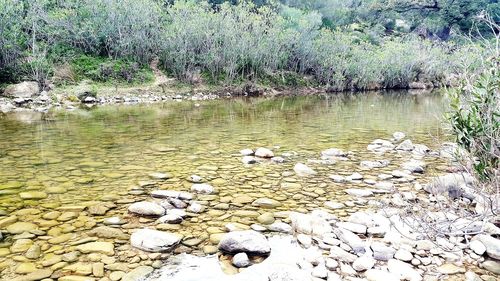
(195,40)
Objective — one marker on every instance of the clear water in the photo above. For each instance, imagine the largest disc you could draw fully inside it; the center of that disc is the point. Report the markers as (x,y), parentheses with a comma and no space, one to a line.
(90,156)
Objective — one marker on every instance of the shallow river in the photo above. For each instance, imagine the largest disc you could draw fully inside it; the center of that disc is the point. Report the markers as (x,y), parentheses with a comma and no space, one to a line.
(51,169)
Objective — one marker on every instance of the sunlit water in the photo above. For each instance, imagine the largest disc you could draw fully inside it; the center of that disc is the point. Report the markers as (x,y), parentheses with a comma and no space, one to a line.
(85,157)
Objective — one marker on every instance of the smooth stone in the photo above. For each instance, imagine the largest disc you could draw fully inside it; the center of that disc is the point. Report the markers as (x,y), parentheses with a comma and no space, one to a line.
(146,209)
(382,252)
(266,203)
(264,153)
(403,270)
(248,241)
(359,192)
(280,227)
(403,255)
(32,195)
(138,273)
(39,274)
(21,245)
(107,232)
(303,170)
(160,176)
(450,269)
(248,160)
(20,227)
(247,152)
(154,241)
(334,205)
(354,227)
(33,252)
(406,145)
(106,248)
(492,245)
(340,254)
(202,188)
(266,218)
(492,266)
(241,260)
(337,178)
(25,267)
(477,247)
(333,152)
(363,263)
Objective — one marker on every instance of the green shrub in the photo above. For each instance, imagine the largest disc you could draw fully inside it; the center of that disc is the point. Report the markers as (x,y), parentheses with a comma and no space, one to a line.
(103,69)
(475,118)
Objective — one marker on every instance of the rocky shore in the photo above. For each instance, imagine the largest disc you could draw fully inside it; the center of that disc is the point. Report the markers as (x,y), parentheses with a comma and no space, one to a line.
(28,96)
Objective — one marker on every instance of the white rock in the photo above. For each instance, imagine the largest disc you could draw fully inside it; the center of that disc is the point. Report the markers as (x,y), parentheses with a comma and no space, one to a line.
(248,241)
(241,260)
(146,209)
(303,170)
(337,178)
(195,179)
(477,247)
(354,227)
(382,252)
(414,166)
(172,194)
(406,145)
(363,263)
(403,255)
(264,153)
(202,188)
(153,240)
(385,185)
(334,205)
(320,271)
(492,245)
(374,164)
(354,176)
(403,270)
(351,239)
(176,212)
(195,208)
(340,254)
(170,218)
(397,136)
(331,264)
(333,152)
(247,152)
(305,240)
(359,192)
(280,227)
(248,160)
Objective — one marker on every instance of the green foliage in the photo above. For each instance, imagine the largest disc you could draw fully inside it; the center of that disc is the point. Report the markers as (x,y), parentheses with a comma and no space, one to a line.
(475,118)
(336,42)
(103,70)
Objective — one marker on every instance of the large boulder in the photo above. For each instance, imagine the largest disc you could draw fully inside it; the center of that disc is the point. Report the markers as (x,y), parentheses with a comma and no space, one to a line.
(248,241)
(154,241)
(22,90)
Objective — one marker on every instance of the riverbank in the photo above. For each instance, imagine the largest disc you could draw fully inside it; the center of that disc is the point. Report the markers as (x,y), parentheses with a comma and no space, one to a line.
(28,96)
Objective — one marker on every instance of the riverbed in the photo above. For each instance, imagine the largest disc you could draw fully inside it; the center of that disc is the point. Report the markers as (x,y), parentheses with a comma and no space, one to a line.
(65,173)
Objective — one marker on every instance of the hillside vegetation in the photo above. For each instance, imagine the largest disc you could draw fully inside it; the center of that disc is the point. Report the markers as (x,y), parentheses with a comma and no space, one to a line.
(338,44)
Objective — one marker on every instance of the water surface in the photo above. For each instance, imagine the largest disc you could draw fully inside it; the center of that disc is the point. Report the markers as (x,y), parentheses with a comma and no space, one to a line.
(89,156)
